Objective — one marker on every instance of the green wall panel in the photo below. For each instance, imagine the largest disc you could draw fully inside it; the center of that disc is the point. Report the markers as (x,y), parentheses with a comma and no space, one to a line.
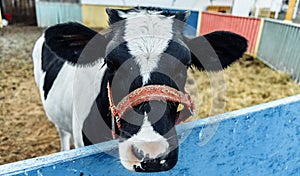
(279,47)
(51,13)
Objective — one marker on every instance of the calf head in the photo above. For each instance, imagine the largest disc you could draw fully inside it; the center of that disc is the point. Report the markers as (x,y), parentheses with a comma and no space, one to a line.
(145,47)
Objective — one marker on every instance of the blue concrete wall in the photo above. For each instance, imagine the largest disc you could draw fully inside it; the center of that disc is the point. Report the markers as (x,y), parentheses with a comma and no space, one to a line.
(260,140)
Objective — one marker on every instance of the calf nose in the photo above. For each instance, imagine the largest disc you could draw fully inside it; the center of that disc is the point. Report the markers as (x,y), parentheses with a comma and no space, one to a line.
(150,163)
(149,149)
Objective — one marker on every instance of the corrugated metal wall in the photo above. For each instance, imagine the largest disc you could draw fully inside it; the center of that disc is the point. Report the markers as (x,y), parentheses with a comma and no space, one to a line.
(275,42)
(247,27)
(279,47)
(51,13)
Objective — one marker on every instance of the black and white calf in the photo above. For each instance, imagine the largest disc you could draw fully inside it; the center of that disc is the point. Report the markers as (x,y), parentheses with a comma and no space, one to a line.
(144,58)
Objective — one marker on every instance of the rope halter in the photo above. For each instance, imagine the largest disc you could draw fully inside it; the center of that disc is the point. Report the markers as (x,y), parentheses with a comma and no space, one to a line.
(148,93)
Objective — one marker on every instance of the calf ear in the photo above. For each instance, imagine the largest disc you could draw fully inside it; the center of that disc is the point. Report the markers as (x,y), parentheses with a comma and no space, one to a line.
(75,43)
(217,50)
(182,16)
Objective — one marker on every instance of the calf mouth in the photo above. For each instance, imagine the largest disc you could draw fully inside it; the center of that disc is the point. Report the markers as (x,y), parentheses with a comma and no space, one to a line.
(137,160)
(163,162)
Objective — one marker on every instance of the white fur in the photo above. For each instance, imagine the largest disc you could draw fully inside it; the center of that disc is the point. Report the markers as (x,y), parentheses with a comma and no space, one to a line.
(73,87)
(146,39)
(146,140)
(148,134)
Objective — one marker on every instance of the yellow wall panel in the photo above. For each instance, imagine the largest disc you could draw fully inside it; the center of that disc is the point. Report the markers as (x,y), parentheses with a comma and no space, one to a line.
(95,15)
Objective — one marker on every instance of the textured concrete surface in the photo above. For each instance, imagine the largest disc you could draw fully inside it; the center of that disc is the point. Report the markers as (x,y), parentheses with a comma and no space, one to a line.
(260,140)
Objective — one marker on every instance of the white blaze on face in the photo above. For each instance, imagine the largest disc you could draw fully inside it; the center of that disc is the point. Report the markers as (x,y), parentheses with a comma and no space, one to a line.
(147,37)
(146,140)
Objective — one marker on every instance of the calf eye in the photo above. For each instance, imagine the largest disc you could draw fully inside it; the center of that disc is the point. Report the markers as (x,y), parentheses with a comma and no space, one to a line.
(110,65)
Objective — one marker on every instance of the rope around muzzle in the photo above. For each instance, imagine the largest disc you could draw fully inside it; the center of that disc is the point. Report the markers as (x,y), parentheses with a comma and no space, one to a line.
(148,93)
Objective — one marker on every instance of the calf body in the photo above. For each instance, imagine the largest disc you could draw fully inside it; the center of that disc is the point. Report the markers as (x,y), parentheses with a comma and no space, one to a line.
(57,98)
(74,67)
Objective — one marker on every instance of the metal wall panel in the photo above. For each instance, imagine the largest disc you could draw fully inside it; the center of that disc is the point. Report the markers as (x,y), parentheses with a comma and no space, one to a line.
(279,47)
(51,13)
(247,27)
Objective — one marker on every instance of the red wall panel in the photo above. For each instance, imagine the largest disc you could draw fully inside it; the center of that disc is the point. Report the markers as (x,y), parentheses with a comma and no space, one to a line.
(245,26)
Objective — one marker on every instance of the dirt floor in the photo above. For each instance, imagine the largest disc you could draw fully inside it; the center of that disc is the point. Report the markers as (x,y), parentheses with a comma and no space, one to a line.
(25,132)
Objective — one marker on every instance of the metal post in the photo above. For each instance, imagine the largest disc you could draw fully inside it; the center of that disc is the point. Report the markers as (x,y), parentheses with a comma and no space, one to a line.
(232,4)
(0,19)
(1,6)
(296,9)
(289,13)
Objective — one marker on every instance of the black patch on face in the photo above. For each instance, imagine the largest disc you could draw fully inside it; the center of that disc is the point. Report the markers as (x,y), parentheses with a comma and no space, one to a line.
(179,51)
(117,56)
(102,100)
(165,124)
(130,124)
(161,115)
(176,73)
(173,75)
(133,119)
(51,64)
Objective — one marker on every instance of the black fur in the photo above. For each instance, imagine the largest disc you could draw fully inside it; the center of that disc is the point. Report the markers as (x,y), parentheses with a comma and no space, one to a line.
(215,51)
(51,64)
(72,43)
(117,56)
(114,15)
(75,43)
(99,113)
(179,51)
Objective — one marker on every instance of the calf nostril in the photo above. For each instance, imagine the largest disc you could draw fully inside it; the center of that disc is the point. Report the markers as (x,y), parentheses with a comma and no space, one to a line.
(153,165)
(162,162)
(139,154)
